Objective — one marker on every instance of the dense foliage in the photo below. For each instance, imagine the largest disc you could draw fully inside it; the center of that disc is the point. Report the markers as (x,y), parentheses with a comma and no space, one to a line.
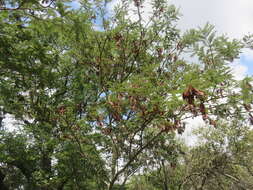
(100,96)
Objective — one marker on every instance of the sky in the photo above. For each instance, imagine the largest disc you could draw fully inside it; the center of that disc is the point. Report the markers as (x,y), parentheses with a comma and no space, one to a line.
(231,17)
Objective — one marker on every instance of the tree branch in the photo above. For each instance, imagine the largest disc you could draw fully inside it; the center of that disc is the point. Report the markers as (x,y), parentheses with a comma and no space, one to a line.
(132,159)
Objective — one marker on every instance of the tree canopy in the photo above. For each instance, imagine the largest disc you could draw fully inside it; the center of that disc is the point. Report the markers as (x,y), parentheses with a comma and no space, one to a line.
(100,96)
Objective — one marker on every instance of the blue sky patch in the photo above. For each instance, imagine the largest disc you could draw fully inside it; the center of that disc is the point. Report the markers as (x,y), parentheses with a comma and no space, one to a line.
(248,62)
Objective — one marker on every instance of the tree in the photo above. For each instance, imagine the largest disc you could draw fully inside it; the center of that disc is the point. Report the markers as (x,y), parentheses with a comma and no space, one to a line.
(96,105)
(222,159)
(217,162)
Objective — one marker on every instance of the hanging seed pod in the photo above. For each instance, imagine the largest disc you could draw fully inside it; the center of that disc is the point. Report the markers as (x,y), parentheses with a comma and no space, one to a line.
(212,122)
(247,107)
(202,108)
(251,119)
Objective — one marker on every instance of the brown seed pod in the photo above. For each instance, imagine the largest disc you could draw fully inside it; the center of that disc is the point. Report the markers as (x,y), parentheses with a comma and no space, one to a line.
(190,93)
(198,93)
(204,117)
(247,107)
(107,131)
(116,116)
(251,120)
(61,110)
(202,108)
(180,130)
(160,52)
(212,122)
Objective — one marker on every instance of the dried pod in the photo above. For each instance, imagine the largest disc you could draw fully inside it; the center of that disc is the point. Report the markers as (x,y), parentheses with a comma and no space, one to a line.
(175,58)
(137,3)
(190,93)
(107,131)
(180,130)
(61,110)
(111,103)
(167,126)
(197,92)
(173,165)
(160,52)
(251,119)
(204,117)
(212,122)
(179,46)
(116,116)
(118,38)
(202,108)
(133,103)
(247,107)
(248,85)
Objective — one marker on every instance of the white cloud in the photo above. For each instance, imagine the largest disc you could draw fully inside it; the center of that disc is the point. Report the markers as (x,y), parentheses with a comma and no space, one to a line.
(112,4)
(229,16)
(145,9)
(232,17)
(239,71)
(192,124)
